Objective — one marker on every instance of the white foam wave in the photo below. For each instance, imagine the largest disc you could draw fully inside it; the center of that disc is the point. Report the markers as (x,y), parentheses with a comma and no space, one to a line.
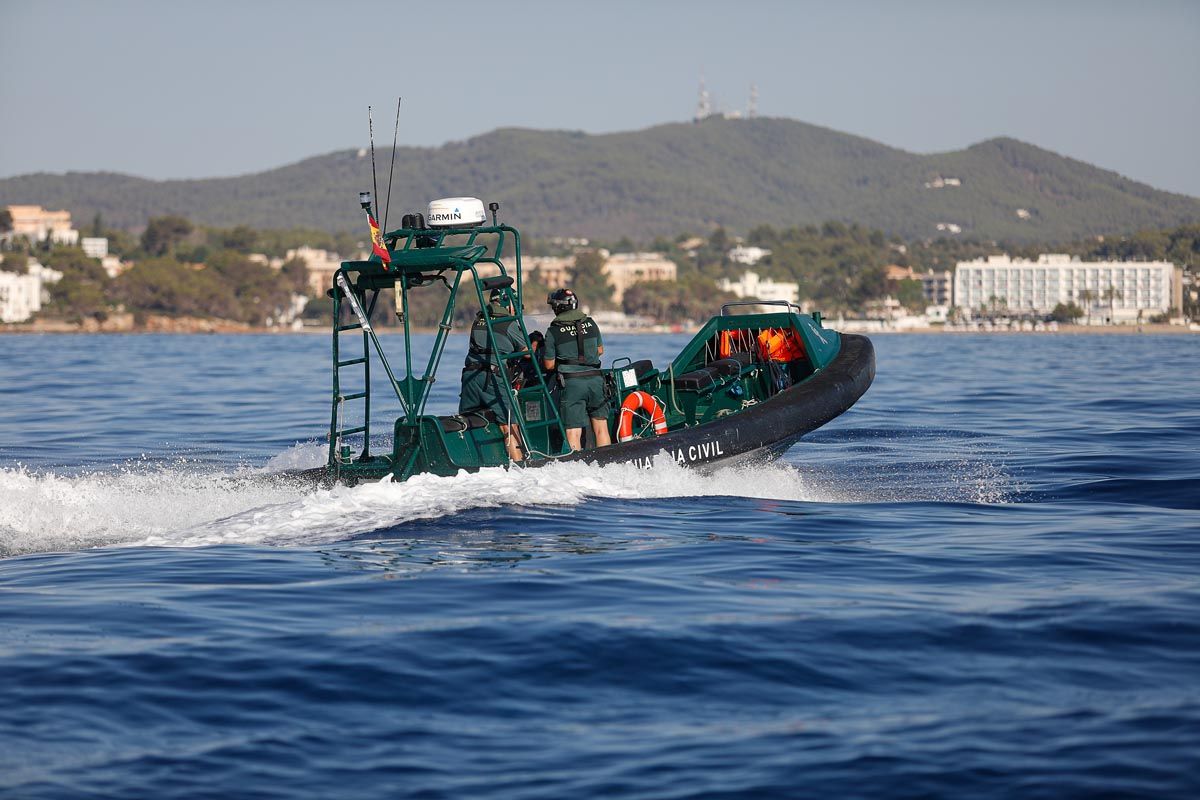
(304,455)
(43,512)
(337,513)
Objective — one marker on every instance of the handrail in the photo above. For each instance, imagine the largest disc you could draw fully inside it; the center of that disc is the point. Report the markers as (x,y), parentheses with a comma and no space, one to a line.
(786,303)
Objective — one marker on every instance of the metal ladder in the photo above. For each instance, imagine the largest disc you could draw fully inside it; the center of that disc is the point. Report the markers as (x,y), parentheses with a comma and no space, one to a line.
(500,361)
(338,454)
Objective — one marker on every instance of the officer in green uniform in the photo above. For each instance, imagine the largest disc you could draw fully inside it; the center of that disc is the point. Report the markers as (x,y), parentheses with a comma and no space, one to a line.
(484,385)
(573,347)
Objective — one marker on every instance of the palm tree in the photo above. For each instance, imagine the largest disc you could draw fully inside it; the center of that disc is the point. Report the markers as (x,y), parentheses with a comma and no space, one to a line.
(1087,297)
(1110,294)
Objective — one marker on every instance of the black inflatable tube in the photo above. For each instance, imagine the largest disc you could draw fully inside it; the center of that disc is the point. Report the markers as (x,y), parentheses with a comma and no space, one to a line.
(762,431)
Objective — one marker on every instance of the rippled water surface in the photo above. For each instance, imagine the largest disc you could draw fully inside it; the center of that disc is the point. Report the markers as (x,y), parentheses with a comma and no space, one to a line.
(983,580)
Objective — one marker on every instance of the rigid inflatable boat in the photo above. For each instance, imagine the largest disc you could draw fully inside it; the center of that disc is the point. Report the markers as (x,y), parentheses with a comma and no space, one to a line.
(753,380)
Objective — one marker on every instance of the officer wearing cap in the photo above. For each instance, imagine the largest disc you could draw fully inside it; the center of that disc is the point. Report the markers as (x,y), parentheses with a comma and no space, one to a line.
(573,347)
(484,385)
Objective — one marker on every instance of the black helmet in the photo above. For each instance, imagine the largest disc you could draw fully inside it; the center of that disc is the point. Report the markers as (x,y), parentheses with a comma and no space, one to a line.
(563,300)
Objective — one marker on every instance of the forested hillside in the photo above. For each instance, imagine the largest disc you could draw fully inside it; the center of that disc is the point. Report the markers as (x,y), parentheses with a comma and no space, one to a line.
(661,181)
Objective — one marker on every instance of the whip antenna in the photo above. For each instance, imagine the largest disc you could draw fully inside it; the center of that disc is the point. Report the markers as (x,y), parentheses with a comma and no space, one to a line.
(395,135)
(374,182)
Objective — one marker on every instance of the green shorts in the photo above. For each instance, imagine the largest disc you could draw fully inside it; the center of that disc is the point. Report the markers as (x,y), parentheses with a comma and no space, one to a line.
(484,390)
(580,399)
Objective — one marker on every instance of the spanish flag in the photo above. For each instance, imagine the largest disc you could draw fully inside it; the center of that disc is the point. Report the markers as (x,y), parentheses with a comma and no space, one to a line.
(377,246)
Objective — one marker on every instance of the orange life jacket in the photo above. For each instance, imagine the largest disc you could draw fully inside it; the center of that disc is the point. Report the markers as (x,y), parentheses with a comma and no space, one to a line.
(725,344)
(780,344)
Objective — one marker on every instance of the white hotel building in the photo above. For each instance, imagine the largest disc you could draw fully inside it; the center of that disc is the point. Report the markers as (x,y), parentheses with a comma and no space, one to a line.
(22,295)
(752,286)
(1036,287)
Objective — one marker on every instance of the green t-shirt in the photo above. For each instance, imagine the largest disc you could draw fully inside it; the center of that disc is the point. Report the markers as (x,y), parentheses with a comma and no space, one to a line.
(562,342)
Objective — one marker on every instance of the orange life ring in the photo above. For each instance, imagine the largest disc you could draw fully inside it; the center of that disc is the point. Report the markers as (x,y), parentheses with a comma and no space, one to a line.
(636,402)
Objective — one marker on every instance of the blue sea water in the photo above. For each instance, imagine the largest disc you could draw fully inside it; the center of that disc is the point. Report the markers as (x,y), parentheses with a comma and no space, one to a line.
(981,581)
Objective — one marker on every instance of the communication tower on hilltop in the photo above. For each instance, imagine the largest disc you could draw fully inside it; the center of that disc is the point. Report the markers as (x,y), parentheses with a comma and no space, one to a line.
(703,104)
(705,107)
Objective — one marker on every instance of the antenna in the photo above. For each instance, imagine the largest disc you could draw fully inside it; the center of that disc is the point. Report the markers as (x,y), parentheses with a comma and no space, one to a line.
(392,168)
(703,105)
(752,109)
(374,183)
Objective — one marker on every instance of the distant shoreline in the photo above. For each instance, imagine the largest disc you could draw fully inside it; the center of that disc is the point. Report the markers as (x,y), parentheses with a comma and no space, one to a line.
(190,327)
(1069,330)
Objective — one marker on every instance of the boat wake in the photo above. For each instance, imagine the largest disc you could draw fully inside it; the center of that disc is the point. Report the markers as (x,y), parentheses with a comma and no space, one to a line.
(184,507)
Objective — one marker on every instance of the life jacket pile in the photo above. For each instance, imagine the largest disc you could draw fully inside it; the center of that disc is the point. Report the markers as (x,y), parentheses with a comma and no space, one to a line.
(780,344)
(771,344)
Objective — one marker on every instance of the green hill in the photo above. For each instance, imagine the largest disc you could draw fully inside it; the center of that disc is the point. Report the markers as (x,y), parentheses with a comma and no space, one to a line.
(659,181)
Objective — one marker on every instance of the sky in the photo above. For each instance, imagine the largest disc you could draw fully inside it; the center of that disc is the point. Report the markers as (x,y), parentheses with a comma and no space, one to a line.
(185,89)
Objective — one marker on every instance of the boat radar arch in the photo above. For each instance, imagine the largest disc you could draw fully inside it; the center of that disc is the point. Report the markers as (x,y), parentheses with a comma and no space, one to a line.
(456,212)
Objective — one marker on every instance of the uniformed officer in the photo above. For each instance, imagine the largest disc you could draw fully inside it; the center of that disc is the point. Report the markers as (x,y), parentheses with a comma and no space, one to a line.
(484,385)
(573,347)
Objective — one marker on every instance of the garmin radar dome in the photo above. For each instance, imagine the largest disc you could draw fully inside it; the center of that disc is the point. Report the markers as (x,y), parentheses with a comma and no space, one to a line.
(456,212)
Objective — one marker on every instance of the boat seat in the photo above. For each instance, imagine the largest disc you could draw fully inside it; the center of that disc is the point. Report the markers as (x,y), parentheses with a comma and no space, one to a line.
(642,371)
(726,366)
(743,357)
(716,373)
(641,368)
(700,380)
(467,420)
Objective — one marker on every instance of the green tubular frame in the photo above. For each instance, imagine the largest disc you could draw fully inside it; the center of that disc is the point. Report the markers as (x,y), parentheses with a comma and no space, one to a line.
(411,267)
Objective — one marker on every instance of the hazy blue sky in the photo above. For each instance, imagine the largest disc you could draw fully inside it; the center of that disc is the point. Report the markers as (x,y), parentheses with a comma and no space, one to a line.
(197,89)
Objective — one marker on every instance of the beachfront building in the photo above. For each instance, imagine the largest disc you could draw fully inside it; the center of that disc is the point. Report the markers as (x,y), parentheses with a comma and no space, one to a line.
(935,286)
(37,224)
(321,266)
(1110,292)
(750,285)
(551,271)
(22,295)
(626,269)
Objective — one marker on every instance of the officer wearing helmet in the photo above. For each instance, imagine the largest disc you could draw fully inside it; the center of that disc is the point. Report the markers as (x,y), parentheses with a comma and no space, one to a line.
(484,385)
(573,347)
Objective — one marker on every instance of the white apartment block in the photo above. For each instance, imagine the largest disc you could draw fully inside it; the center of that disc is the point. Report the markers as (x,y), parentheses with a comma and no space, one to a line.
(21,296)
(94,246)
(750,285)
(1036,287)
(626,269)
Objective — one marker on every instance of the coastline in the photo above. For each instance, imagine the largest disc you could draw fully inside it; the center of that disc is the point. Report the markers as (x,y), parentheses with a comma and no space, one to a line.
(156,324)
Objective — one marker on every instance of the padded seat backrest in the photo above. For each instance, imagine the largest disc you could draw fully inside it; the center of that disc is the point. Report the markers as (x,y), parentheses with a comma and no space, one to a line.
(726,366)
(700,380)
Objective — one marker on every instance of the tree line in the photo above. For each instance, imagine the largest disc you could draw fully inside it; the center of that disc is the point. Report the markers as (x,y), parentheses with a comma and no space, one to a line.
(183,269)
